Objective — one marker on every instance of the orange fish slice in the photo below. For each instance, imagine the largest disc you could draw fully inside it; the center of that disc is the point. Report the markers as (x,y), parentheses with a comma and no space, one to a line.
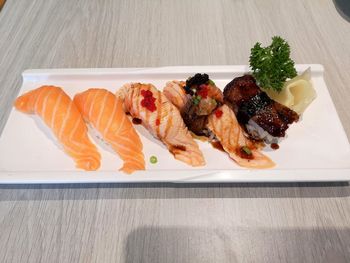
(59,112)
(162,119)
(227,129)
(105,112)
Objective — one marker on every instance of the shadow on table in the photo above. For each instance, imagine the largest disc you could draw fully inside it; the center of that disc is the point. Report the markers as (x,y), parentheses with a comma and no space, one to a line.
(194,244)
(343,8)
(172,191)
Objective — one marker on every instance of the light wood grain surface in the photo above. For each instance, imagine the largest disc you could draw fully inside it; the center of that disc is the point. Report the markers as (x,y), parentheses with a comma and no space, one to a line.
(167,223)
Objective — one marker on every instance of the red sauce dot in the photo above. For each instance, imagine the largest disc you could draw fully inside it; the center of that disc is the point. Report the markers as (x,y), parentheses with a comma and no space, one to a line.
(218,113)
(203,91)
(146,93)
(157,122)
(148,100)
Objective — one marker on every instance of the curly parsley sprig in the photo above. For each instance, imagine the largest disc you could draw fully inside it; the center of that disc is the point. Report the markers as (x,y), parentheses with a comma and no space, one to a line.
(272,65)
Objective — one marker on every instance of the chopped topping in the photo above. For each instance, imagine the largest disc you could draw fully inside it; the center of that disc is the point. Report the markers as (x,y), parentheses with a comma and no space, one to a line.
(148,100)
(189,90)
(203,91)
(157,122)
(197,79)
(206,106)
(211,82)
(193,83)
(218,113)
(196,100)
(246,150)
(153,159)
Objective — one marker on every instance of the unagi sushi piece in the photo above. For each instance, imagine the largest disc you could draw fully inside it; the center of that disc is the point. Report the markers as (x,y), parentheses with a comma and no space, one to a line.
(59,112)
(162,119)
(227,130)
(264,118)
(105,112)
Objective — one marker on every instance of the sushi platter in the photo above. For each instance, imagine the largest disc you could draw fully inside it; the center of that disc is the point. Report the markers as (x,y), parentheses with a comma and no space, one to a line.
(315,148)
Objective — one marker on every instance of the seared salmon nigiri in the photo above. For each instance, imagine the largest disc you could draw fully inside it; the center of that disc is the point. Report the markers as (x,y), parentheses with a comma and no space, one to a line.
(217,120)
(59,112)
(105,112)
(224,125)
(162,119)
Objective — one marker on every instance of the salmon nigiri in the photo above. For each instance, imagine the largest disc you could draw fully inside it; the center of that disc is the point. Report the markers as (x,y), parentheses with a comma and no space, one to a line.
(59,112)
(162,119)
(221,123)
(224,125)
(105,112)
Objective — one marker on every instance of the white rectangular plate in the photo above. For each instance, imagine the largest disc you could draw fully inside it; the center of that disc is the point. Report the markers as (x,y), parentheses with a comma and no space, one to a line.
(316,148)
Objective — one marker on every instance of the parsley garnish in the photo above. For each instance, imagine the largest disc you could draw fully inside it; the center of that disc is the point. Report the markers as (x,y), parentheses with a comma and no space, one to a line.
(272,65)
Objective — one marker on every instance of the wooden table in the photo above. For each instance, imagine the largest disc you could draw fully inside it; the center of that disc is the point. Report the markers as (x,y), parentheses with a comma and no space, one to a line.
(172,223)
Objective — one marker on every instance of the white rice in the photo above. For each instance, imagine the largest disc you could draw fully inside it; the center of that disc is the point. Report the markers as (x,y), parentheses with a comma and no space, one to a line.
(259,133)
(98,138)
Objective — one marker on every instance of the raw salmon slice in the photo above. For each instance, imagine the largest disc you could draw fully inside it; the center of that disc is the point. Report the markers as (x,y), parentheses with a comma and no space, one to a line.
(105,112)
(59,112)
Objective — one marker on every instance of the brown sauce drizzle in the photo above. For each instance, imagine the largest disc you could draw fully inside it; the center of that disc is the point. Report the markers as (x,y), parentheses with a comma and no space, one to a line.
(177,148)
(136,121)
(274,146)
(217,145)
